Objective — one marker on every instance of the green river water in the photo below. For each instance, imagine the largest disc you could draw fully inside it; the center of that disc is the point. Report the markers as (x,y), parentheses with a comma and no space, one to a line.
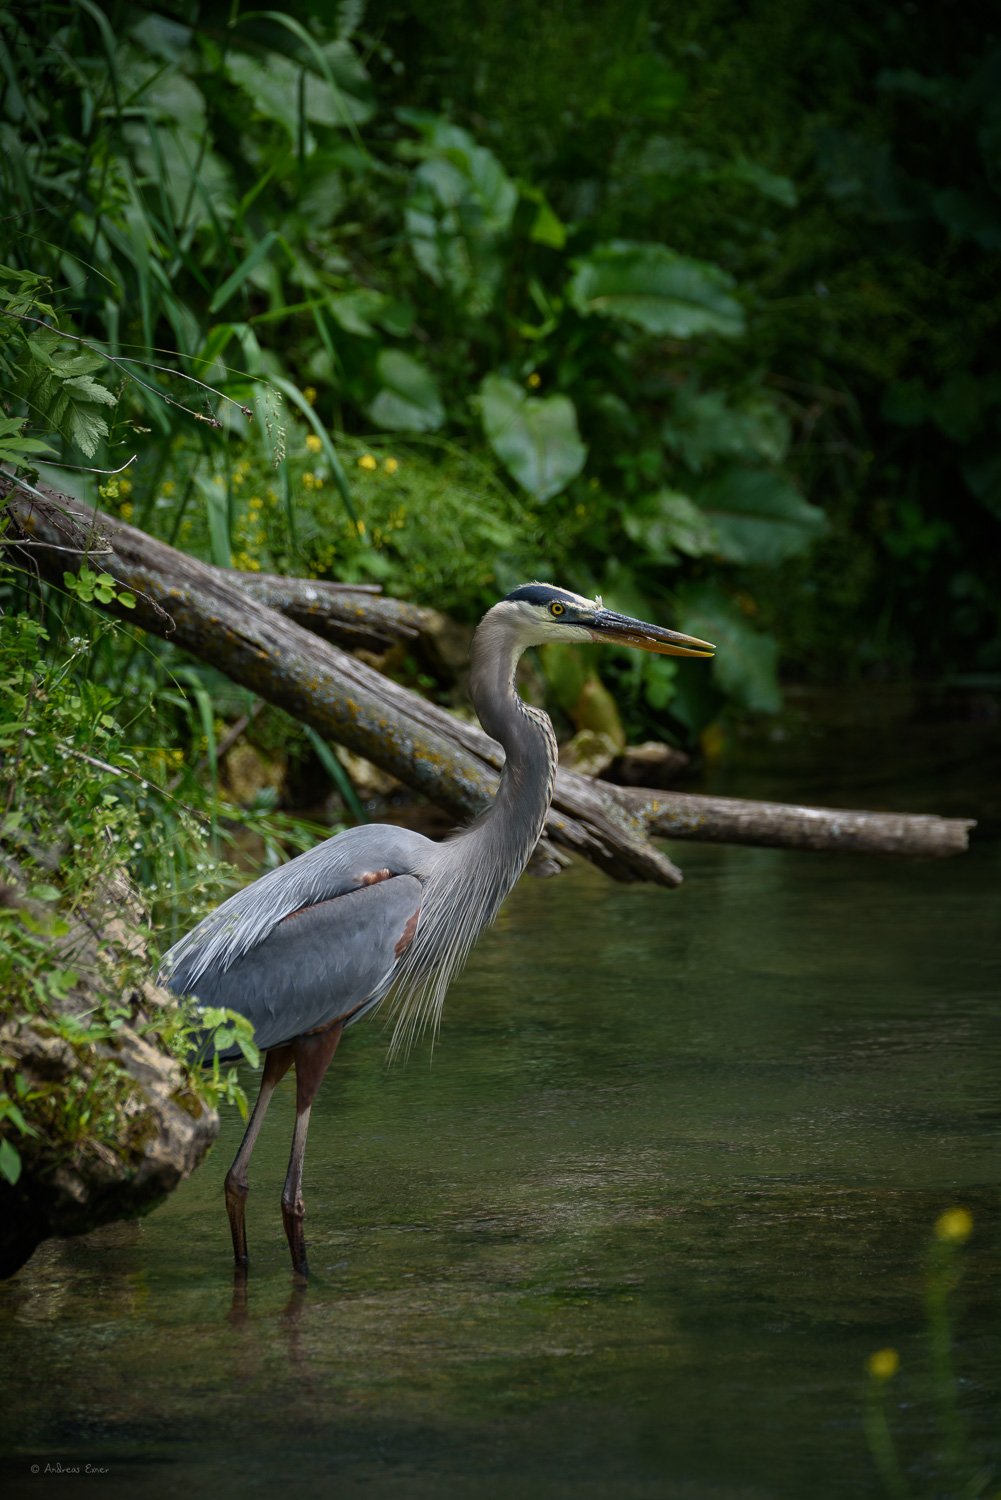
(671,1178)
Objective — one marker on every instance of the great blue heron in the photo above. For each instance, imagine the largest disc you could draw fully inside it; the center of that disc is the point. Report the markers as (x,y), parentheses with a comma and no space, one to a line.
(311,947)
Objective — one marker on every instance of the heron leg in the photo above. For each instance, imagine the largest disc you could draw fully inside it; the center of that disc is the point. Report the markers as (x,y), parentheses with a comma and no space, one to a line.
(313,1055)
(276,1064)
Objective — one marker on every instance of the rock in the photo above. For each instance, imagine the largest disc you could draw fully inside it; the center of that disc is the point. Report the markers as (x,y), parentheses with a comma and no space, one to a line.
(245,772)
(115,1124)
(368,781)
(589,752)
(649,764)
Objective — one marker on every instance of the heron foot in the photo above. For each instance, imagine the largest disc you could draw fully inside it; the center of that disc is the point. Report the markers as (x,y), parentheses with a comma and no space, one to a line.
(293,1217)
(237,1189)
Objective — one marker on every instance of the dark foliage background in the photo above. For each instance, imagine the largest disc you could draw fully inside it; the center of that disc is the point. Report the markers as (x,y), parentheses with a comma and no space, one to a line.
(693,306)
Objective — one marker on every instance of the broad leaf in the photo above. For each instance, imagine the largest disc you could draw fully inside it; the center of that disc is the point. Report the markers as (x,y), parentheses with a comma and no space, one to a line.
(460,210)
(353,310)
(745,666)
(273,83)
(669,523)
(657,290)
(409,400)
(58,386)
(536,439)
(758,516)
(704,426)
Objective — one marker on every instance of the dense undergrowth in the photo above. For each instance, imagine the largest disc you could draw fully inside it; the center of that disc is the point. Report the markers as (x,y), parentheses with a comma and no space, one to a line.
(84,797)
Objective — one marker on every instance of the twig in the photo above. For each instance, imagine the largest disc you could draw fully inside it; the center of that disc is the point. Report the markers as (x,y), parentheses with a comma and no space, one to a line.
(52,463)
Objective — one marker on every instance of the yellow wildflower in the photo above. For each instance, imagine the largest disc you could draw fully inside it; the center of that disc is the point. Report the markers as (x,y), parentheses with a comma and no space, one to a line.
(361,528)
(391,465)
(535,380)
(309,391)
(954,1226)
(125,510)
(168,487)
(367,462)
(313,443)
(883,1364)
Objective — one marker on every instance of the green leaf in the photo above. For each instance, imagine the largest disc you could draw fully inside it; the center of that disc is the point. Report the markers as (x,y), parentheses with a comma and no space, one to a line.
(58,385)
(14,448)
(704,426)
(643,85)
(44,892)
(11,1111)
(243,270)
(292,393)
(769,184)
(338,775)
(669,523)
(250,1052)
(657,290)
(273,83)
(548,228)
(745,666)
(214,494)
(535,439)
(758,516)
(461,209)
(353,310)
(409,400)
(10,1162)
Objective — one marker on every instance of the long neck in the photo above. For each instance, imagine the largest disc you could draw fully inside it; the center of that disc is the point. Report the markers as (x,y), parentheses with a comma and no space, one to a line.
(472,872)
(509,830)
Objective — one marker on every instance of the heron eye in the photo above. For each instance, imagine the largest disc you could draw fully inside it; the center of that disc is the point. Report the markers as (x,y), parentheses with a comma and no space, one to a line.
(556,608)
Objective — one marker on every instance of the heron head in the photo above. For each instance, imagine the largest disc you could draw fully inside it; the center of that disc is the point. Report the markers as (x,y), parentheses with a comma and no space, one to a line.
(546,613)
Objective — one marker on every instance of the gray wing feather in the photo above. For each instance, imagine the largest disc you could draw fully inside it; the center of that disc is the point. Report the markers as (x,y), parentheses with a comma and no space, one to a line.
(332,961)
(332,869)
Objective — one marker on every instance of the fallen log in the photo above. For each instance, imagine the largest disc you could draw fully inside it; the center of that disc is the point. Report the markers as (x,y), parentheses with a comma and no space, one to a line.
(781,825)
(350,615)
(210,612)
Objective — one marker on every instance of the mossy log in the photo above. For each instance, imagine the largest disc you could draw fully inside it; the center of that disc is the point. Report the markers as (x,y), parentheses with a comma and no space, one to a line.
(115,1125)
(454,764)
